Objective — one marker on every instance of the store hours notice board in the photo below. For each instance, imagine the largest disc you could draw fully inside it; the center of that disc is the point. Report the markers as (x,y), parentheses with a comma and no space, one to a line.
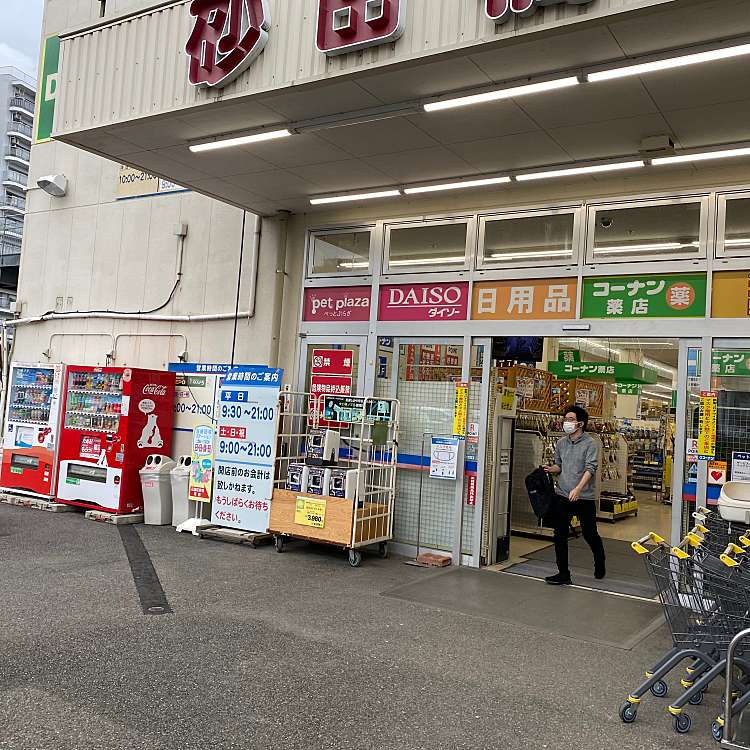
(246,448)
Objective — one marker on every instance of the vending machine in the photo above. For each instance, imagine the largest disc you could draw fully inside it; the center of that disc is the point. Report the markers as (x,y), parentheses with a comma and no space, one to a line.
(113,418)
(32,432)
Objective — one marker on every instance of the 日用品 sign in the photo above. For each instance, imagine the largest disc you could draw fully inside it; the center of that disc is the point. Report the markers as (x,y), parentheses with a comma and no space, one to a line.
(246,448)
(646,296)
(539,299)
(730,297)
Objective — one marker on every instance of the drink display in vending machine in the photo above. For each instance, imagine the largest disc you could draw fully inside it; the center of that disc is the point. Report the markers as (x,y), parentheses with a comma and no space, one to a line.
(32,419)
(113,418)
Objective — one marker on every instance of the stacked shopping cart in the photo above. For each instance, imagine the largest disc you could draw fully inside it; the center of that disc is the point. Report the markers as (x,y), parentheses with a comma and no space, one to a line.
(704,587)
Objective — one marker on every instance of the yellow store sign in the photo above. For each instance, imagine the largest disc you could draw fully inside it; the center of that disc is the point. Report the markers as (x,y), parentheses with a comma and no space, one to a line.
(731,295)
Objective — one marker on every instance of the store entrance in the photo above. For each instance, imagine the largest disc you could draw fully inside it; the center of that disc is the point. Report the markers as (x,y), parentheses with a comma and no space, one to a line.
(627,385)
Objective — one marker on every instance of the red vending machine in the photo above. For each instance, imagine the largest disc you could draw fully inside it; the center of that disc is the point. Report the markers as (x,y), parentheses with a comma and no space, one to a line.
(113,417)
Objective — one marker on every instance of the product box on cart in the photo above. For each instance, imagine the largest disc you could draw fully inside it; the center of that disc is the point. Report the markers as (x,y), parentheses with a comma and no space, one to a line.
(113,418)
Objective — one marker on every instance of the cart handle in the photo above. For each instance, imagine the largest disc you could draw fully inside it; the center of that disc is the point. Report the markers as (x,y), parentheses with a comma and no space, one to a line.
(726,556)
(735,642)
(744,540)
(651,538)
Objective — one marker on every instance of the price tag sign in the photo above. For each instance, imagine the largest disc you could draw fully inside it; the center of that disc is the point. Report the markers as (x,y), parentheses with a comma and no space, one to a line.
(246,448)
(310,512)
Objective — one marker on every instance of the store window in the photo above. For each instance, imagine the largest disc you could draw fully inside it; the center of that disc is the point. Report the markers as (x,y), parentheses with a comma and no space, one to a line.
(734,225)
(528,240)
(340,253)
(436,244)
(657,230)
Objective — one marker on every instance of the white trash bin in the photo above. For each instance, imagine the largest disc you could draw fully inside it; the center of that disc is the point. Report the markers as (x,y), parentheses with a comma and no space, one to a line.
(734,502)
(157,490)
(180,479)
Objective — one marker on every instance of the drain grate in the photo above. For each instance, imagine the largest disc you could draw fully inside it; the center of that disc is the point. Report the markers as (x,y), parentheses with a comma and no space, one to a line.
(147,585)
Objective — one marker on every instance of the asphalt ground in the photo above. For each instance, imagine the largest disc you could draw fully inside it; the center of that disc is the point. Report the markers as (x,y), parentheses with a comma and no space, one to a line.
(292,650)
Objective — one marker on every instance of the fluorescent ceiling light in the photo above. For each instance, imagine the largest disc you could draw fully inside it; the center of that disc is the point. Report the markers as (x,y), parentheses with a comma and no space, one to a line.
(457,185)
(669,63)
(354,264)
(357,197)
(670,371)
(739,241)
(653,394)
(426,261)
(703,156)
(492,96)
(533,254)
(580,170)
(270,135)
(654,246)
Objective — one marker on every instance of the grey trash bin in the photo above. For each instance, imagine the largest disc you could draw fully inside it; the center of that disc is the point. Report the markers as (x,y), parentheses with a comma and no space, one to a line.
(157,490)
(180,478)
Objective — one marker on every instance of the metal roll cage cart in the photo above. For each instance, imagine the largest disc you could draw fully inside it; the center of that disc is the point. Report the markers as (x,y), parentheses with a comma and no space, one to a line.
(366,439)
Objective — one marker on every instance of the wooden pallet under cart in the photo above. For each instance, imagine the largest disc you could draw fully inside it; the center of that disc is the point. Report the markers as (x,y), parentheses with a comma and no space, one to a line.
(339,528)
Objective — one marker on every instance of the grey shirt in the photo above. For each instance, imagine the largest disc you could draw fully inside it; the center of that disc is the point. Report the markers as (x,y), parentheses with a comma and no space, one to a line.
(575,457)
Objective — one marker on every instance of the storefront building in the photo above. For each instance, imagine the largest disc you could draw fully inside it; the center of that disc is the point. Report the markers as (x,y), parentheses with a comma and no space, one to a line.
(438,178)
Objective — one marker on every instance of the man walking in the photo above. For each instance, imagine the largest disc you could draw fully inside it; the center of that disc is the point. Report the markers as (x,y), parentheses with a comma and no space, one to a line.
(576,462)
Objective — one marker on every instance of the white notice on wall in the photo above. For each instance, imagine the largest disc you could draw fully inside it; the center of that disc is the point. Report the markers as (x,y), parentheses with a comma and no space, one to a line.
(740,467)
(444,457)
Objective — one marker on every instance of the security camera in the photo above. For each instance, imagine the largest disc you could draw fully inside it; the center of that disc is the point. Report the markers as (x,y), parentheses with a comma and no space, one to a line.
(55,185)
(606,222)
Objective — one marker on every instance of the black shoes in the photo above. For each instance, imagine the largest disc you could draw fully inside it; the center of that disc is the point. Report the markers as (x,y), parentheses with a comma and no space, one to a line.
(560,579)
(600,570)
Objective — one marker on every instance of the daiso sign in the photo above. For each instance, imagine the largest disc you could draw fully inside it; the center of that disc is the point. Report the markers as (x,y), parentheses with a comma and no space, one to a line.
(337,303)
(424,302)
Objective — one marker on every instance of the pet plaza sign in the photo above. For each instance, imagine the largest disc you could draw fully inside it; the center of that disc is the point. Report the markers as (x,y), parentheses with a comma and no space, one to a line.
(228,35)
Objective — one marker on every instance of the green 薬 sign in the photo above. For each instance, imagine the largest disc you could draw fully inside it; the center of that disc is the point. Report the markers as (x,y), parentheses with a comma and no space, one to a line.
(620,372)
(47,94)
(569,355)
(646,296)
(730,363)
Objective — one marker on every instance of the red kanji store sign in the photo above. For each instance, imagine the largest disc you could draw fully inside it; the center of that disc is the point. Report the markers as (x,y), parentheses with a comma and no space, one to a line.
(501,11)
(227,36)
(348,25)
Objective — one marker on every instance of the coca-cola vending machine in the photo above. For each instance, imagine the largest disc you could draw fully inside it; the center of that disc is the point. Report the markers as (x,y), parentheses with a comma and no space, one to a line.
(113,417)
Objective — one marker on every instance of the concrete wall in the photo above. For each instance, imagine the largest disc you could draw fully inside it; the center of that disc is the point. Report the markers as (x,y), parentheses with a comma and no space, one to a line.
(90,251)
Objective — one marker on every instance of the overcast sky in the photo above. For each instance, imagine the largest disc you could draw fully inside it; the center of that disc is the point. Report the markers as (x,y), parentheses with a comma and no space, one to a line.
(20,33)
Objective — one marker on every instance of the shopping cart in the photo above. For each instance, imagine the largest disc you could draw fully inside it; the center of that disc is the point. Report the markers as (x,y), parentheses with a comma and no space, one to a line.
(706,601)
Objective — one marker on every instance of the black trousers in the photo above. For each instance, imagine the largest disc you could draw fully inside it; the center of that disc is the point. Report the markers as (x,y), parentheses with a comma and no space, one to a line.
(585,510)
